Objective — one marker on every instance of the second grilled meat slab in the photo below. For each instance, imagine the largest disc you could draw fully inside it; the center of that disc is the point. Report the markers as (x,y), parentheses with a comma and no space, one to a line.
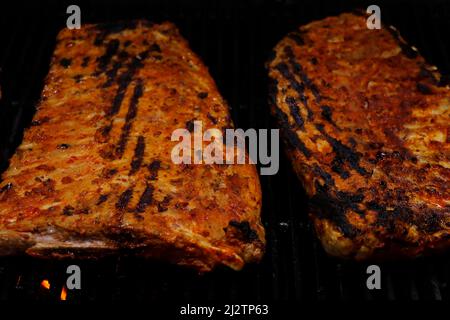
(366,120)
(94,172)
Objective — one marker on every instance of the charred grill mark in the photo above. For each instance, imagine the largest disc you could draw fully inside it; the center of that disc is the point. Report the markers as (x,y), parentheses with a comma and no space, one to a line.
(99,40)
(300,71)
(283,120)
(290,134)
(164,204)
(327,206)
(111,74)
(337,166)
(153,168)
(296,36)
(108,173)
(85,62)
(428,222)
(351,200)
(295,111)
(210,117)
(155,48)
(65,63)
(138,155)
(125,80)
(146,199)
(334,208)
(123,54)
(315,92)
(297,86)
(284,71)
(105,59)
(327,114)
(155,165)
(202,95)
(343,153)
(102,199)
(328,179)
(131,115)
(102,134)
(190,125)
(124,199)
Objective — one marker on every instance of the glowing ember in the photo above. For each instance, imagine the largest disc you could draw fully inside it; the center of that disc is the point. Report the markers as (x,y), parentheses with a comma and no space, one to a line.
(63,294)
(45,284)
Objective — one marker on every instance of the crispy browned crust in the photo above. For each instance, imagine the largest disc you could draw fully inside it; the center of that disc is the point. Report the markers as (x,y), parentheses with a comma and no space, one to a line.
(366,120)
(94,173)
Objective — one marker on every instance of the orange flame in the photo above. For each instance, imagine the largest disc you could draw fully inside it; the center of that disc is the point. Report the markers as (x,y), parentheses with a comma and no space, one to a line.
(45,284)
(63,294)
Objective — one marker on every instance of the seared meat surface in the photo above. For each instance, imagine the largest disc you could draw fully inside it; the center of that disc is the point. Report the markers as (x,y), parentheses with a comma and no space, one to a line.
(94,173)
(366,121)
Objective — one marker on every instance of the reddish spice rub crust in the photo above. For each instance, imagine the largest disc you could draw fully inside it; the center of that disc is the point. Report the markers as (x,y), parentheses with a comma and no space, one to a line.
(94,173)
(366,121)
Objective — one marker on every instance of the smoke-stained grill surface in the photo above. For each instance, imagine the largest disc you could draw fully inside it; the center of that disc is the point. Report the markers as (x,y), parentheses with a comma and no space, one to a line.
(367,123)
(94,173)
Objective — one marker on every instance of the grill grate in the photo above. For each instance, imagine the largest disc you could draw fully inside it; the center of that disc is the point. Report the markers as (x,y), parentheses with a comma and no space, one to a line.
(234,40)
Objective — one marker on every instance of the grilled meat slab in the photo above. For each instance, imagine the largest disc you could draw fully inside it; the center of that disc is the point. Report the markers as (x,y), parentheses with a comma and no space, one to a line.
(366,121)
(94,173)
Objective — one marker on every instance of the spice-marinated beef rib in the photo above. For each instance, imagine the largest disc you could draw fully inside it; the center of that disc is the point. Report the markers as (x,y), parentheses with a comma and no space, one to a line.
(94,172)
(366,121)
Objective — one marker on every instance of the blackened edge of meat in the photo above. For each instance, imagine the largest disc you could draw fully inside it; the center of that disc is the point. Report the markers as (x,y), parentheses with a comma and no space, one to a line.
(244,231)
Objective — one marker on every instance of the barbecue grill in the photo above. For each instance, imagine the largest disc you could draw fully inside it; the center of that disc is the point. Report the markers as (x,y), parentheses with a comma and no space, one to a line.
(234,39)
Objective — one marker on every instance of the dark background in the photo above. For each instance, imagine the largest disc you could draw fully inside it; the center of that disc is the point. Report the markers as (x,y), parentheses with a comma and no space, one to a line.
(234,39)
